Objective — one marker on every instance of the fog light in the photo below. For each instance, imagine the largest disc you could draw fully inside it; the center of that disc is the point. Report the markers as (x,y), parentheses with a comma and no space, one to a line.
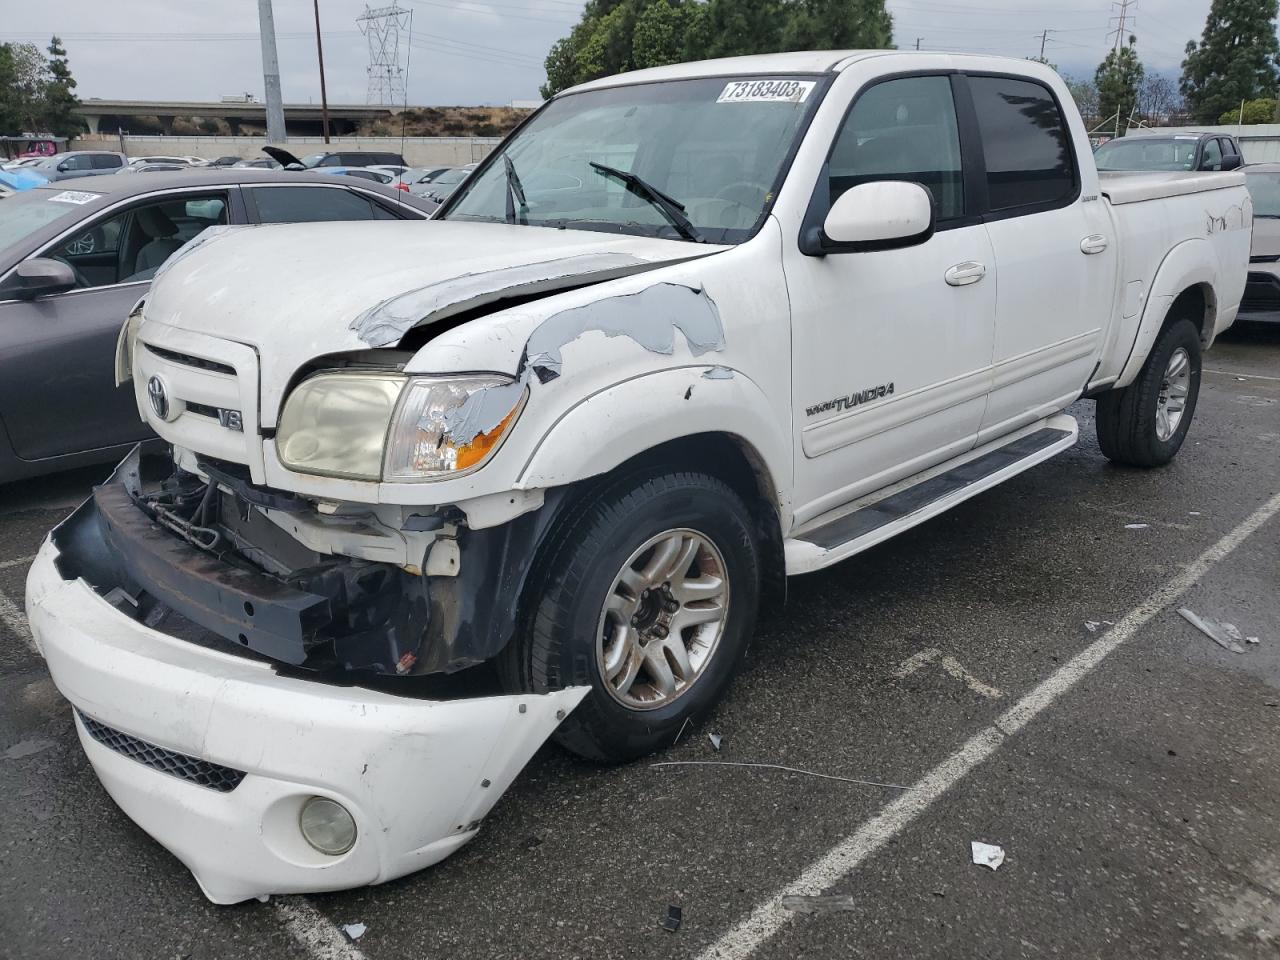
(327,826)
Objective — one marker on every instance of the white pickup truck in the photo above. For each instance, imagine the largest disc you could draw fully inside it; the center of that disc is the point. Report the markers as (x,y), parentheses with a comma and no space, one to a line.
(438,491)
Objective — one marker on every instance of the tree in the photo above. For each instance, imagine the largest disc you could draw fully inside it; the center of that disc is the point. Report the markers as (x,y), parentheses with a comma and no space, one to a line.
(617,35)
(1236,58)
(59,99)
(1255,111)
(1158,98)
(838,25)
(1085,93)
(1118,78)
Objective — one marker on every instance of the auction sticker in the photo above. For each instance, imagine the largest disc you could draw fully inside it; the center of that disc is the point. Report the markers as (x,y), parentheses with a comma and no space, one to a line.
(766,91)
(74,196)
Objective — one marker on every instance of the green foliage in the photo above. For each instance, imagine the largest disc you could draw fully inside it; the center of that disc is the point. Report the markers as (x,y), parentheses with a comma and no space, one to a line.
(1236,58)
(36,94)
(614,36)
(1263,110)
(1117,80)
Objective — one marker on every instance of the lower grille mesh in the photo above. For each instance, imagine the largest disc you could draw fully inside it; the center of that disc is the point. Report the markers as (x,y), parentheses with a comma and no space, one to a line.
(191,769)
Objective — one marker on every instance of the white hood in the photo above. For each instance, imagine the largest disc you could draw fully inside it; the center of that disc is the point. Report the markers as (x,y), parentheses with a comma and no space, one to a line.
(295,292)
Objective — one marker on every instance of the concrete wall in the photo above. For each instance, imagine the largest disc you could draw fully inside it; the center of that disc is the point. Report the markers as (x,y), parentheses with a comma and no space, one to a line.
(417,151)
(1259,142)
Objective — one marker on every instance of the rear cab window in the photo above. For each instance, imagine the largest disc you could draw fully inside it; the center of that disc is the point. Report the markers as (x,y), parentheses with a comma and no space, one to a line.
(1028,152)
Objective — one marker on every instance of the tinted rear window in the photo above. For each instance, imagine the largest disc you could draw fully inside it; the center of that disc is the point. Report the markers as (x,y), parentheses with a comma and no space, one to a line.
(369,159)
(311,205)
(1025,143)
(106,161)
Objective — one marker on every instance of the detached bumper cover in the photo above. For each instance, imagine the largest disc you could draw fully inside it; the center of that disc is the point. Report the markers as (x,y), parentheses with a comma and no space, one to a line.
(416,775)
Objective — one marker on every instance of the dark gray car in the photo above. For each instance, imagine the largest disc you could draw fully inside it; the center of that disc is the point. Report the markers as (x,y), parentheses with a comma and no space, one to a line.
(80,163)
(76,256)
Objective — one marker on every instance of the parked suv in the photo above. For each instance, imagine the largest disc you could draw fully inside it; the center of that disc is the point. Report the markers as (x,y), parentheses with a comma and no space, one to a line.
(1262,294)
(80,163)
(1179,151)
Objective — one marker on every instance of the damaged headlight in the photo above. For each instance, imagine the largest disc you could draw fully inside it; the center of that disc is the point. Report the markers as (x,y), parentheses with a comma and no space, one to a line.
(385,426)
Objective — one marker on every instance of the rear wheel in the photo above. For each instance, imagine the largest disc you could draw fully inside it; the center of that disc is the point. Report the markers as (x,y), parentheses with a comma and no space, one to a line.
(1145,423)
(647,595)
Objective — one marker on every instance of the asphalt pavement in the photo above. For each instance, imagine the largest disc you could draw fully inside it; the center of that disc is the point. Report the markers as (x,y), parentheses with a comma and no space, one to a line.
(1016,667)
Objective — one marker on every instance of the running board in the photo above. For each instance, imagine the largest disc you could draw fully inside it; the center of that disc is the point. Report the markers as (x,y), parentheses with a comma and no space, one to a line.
(861,529)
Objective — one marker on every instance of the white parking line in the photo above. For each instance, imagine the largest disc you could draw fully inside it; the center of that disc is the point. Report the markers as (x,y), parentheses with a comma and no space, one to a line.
(16,562)
(837,863)
(1247,376)
(313,931)
(14,619)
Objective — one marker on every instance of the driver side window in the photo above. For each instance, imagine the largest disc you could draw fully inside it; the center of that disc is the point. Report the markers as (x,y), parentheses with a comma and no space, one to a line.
(1212,159)
(131,245)
(903,129)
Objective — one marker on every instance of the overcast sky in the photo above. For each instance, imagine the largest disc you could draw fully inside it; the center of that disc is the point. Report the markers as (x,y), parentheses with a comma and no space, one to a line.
(491,51)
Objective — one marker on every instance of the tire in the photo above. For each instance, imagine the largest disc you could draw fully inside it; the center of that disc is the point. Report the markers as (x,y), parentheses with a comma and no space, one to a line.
(1133,428)
(566,633)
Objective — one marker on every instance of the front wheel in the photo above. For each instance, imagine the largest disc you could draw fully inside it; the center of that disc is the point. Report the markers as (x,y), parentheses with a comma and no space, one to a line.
(647,595)
(1144,424)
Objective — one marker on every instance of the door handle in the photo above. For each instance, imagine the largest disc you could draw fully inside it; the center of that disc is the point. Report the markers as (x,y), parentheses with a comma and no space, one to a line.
(963,274)
(1093,243)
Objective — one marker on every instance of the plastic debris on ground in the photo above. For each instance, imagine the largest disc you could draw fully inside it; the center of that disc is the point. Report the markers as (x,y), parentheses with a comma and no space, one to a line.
(354,931)
(671,922)
(1214,631)
(1136,526)
(986,854)
(716,740)
(1093,625)
(832,903)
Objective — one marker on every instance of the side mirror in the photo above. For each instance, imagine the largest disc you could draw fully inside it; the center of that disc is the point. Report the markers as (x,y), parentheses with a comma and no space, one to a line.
(62,167)
(1232,162)
(41,276)
(882,215)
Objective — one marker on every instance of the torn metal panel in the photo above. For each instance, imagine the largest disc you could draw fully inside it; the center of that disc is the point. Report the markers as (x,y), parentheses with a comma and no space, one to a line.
(386,322)
(650,317)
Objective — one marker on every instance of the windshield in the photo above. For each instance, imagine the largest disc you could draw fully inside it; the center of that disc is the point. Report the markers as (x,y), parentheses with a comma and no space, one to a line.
(25,213)
(311,159)
(1264,188)
(714,146)
(1146,153)
(452,176)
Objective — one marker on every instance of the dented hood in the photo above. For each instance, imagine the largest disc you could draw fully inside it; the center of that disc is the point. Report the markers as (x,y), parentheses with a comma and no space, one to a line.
(298,291)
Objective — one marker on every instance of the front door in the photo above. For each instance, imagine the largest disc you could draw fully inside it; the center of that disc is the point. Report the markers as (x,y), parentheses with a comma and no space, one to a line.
(891,348)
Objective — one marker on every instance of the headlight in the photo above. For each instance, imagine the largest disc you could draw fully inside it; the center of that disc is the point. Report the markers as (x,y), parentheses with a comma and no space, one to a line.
(385,426)
(446,427)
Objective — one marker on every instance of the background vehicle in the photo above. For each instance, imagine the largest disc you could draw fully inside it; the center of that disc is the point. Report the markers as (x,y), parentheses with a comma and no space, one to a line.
(344,158)
(227,161)
(262,163)
(1181,151)
(441,187)
(364,173)
(172,161)
(687,332)
(77,255)
(79,163)
(1262,293)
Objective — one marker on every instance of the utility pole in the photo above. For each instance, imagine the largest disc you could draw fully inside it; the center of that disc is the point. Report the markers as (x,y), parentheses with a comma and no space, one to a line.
(271,73)
(918,39)
(324,98)
(1044,36)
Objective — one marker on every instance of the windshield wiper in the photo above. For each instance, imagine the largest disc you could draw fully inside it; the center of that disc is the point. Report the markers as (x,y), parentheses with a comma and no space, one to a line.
(515,191)
(672,209)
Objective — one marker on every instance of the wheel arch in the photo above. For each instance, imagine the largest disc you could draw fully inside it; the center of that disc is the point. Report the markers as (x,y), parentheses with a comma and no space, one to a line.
(1185,285)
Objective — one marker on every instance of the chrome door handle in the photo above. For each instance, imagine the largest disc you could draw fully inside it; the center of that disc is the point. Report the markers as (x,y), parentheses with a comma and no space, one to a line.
(1093,243)
(963,274)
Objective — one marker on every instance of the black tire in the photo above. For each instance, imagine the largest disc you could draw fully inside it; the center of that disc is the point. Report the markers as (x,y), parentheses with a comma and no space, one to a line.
(1127,417)
(555,645)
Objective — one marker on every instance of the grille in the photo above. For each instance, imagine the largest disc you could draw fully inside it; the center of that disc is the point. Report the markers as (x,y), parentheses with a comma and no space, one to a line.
(191,769)
(187,360)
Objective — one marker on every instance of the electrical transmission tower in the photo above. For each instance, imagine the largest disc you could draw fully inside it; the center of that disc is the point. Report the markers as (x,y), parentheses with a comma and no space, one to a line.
(1123,16)
(382,27)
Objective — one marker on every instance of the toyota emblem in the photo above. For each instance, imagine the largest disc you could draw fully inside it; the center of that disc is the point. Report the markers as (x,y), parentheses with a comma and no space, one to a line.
(158,397)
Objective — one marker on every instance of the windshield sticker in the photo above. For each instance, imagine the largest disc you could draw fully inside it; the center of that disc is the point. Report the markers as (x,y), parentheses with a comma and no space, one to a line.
(766,91)
(74,196)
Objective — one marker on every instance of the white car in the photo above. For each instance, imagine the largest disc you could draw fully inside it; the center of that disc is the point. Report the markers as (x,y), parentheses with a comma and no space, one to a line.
(687,332)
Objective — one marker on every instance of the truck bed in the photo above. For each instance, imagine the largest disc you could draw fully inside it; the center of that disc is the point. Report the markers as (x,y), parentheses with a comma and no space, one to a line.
(1136,186)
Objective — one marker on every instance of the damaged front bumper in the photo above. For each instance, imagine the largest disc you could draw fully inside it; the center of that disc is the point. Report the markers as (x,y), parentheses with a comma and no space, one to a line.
(214,751)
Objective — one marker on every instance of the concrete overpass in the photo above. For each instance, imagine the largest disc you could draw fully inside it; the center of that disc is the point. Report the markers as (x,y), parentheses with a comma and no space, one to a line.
(299,118)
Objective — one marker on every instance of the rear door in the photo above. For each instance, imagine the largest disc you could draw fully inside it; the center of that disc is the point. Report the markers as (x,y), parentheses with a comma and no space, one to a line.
(317,203)
(1054,249)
